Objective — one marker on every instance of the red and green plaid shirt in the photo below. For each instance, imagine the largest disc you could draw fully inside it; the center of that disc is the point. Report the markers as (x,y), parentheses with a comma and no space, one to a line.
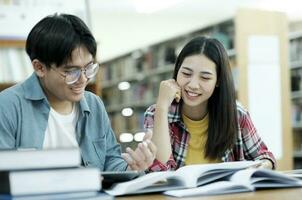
(248,146)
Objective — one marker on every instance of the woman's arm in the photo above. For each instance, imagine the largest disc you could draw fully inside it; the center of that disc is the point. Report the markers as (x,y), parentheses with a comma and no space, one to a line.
(161,136)
(168,91)
(253,145)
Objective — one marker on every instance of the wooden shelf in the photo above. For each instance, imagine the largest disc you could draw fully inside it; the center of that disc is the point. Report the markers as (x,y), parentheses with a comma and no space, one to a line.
(12,43)
(113,83)
(295,38)
(139,76)
(296,64)
(139,104)
(93,87)
(297,125)
(298,154)
(295,35)
(3,86)
(296,95)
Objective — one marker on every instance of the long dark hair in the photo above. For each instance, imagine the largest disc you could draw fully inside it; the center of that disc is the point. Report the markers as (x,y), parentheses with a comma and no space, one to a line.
(222,108)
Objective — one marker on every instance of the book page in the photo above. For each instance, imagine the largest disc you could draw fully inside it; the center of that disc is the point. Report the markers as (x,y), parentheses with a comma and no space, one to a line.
(184,177)
(196,175)
(156,181)
(264,178)
(220,187)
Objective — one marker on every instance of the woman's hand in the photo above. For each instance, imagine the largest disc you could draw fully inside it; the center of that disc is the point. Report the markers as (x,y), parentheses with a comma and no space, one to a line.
(143,156)
(265,163)
(168,91)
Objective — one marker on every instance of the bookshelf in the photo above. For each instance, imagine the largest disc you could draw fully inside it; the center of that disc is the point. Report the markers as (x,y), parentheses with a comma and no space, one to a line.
(143,69)
(15,65)
(295,50)
(248,38)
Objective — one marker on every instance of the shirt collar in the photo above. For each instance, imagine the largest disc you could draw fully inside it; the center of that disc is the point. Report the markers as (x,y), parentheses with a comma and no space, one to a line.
(84,107)
(33,89)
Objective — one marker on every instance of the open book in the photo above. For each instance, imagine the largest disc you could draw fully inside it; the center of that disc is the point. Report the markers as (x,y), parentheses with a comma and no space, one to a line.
(297,173)
(242,181)
(185,177)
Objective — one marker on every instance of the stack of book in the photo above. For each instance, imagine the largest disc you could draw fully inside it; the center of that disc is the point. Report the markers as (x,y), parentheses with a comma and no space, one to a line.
(47,174)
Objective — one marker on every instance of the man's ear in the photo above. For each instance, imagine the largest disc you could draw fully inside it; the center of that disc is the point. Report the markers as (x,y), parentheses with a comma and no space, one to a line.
(40,68)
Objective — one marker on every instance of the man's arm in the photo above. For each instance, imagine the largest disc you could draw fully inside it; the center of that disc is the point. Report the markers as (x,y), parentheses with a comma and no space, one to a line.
(138,159)
(114,160)
(8,123)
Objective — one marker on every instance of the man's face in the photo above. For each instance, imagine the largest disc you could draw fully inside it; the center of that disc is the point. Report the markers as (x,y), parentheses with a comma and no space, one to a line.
(53,81)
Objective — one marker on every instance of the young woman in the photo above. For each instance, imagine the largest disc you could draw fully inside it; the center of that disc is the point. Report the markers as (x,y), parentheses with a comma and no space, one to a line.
(196,118)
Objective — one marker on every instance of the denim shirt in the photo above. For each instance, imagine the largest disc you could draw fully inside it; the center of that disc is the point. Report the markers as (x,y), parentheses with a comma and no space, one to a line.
(24,111)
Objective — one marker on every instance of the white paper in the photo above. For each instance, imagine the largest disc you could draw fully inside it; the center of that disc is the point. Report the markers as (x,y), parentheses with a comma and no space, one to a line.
(220,187)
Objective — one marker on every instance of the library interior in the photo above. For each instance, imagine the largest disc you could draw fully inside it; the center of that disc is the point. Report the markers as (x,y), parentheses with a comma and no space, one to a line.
(138,42)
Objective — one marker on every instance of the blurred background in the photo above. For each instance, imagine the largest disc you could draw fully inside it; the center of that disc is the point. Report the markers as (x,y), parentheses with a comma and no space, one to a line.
(139,40)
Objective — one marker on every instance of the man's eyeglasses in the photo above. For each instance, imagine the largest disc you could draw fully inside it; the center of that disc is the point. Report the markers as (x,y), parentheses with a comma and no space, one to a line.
(74,75)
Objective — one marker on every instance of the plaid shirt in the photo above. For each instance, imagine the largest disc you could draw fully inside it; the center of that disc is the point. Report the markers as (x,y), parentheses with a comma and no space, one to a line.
(248,146)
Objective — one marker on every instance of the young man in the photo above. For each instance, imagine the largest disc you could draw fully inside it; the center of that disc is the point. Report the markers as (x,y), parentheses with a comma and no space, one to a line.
(51,109)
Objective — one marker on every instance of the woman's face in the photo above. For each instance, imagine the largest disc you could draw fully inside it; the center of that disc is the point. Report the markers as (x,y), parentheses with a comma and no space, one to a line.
(197,78)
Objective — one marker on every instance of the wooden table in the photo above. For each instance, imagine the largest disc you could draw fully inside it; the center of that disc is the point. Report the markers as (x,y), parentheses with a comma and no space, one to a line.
(275,194)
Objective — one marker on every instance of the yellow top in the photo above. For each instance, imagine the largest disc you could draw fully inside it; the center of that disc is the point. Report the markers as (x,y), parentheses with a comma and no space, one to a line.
(198,131)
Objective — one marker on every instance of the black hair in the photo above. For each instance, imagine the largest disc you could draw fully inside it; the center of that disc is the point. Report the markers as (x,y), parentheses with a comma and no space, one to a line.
(222,108)
(53,39)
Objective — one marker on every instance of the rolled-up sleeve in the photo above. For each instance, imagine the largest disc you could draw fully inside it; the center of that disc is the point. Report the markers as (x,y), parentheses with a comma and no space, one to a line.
(157,165)
(254,147)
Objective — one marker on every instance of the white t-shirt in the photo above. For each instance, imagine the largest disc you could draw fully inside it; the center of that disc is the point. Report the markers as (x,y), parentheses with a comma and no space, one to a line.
(60,131)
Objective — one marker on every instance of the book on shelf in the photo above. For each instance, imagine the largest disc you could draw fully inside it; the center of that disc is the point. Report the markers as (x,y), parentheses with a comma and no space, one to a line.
(48,181)
(5,78)
(15,65)
(247,180)
(26,64)
(39,159)
(185,177)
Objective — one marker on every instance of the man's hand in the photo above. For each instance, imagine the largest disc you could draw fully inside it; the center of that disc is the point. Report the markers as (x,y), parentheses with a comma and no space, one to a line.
(143,156)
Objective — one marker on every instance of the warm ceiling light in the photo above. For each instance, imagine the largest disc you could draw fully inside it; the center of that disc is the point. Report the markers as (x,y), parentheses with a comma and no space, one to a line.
(123,85)
(127,112)
(138,137)
(126,137)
